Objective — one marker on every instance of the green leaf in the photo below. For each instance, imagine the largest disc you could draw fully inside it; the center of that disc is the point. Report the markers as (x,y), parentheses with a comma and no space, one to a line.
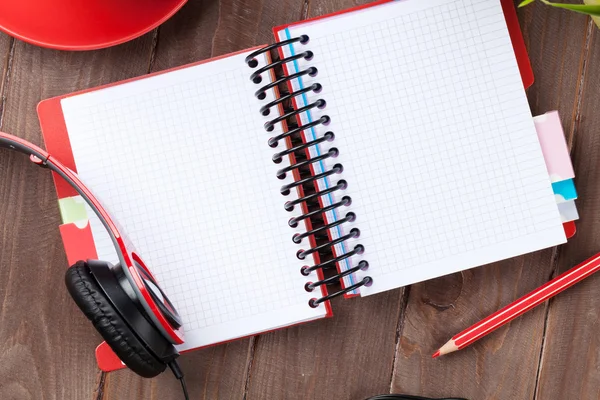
(594,2)
(587,9)
(525,2)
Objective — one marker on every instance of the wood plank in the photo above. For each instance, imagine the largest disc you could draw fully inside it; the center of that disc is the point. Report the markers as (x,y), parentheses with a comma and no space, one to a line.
(320,7)
(47,345)
(571,354)
(6,43)
(555,41)
(488,369)
(347,357)
(216,372)
(208,28)
(202,30)
(503,365)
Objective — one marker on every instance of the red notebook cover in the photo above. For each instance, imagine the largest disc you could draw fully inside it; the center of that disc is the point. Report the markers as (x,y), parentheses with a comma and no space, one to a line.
(79,242)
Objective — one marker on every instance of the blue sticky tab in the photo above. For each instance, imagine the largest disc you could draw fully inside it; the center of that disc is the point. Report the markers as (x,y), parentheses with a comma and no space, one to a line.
(564,190)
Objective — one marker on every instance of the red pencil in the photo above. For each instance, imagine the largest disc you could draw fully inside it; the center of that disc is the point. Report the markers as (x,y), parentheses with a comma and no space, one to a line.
(524,304)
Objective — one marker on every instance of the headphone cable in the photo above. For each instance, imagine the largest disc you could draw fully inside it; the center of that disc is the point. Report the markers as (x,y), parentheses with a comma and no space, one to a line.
(174,365)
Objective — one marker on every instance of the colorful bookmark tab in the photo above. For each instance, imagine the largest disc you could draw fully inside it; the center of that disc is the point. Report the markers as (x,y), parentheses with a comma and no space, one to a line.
(564,191)
(554,146)
(568,211)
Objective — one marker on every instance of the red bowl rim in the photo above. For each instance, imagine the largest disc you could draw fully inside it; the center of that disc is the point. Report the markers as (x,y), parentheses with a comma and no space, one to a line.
(95,46)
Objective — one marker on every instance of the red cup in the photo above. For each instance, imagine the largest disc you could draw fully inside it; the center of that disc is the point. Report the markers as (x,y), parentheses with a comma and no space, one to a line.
(83,24)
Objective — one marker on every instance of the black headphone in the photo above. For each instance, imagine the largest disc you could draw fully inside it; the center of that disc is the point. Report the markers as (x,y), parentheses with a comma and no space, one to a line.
(124,302)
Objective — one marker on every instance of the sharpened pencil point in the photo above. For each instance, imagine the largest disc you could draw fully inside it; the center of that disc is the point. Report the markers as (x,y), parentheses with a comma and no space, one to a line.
(436,354)
(449,347)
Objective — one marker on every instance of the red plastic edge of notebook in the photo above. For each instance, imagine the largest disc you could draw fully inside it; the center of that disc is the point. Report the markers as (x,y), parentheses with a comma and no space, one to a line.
(78,243)
(518,42)
(514,30)
(54,128)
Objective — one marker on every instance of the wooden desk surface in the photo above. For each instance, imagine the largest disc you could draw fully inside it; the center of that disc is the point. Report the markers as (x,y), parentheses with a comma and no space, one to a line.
(374,345)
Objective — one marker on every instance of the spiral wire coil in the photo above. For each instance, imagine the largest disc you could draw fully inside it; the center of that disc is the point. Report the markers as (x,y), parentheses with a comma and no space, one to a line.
(284,100)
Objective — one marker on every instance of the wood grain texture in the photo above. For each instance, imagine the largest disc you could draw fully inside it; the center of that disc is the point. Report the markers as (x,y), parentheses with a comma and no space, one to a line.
(571,357)
(46,344)
(488,369)
(555,41)
(349,356)
(202,30)
(218,372)
(319,7)
(6,44)
(440,308)
(372,345)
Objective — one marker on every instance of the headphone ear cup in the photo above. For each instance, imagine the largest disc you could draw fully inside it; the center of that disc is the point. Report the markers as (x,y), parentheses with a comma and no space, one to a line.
(92,300)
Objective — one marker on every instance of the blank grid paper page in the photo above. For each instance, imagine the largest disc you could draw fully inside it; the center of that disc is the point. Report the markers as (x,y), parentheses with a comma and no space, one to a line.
(183,163)
(435,134)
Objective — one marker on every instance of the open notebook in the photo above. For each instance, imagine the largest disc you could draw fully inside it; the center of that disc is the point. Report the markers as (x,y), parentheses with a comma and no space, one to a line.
(413,152)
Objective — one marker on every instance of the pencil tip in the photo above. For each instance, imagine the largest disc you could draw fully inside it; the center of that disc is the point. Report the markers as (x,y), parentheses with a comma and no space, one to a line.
(436,354)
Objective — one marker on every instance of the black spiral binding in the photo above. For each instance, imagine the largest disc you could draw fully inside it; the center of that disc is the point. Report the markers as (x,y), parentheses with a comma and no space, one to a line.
(298,150)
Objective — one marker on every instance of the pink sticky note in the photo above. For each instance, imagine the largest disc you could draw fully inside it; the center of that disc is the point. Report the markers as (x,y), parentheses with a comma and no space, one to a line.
(554,146)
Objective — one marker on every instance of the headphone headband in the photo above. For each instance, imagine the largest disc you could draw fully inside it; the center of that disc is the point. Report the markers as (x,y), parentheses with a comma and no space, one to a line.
(22,146)
(166,318)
